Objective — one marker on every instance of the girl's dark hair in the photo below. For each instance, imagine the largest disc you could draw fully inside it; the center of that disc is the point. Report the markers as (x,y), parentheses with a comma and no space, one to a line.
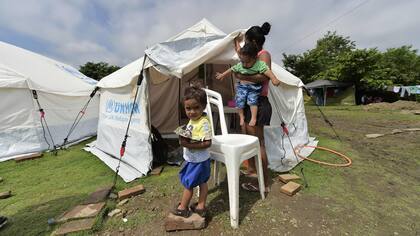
(194,92)
(250,50)
(257,34)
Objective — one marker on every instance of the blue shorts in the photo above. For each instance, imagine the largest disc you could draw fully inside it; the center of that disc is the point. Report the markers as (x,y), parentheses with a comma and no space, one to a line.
(247,94)
(193,174)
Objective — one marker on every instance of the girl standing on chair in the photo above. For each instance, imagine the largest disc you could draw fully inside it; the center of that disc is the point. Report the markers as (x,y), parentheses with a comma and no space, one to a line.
(196,168)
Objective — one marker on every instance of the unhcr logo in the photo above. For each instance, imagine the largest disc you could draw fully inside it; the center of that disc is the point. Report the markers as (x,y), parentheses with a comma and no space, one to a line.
(113,106)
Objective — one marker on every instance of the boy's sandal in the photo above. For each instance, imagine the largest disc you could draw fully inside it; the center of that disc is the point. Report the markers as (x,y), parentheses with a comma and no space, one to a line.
(183,213)
(200,212)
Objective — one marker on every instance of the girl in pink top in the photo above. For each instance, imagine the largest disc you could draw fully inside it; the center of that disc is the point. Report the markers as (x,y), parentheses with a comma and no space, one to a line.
(256,35)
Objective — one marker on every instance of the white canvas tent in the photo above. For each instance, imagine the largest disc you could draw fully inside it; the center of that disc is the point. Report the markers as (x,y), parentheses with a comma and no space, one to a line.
(62,91)
(170,66)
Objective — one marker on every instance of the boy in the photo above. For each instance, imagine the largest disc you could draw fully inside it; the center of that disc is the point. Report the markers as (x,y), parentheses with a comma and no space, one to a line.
(195,138)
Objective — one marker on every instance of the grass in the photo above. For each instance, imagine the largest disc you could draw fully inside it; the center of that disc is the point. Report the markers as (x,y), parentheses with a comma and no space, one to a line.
(46,187)
(379,192)
(384,171)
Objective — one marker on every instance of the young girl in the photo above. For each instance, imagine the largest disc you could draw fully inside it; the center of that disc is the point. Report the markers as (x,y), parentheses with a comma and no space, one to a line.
(249,92)
(196,169)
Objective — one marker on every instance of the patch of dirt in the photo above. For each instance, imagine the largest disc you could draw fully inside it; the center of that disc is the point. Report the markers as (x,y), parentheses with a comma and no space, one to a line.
(279,214)
(404,106)
(380,184)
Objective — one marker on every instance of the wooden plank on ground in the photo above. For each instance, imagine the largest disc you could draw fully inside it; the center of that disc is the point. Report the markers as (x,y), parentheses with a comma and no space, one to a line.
(127,193)
(290,188)
(82,211)
(99,195)
(75,226)
(288,177)
(28,157)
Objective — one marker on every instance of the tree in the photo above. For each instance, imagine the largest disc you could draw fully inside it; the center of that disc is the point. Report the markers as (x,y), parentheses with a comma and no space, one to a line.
(402,65)
(323,57)
(363,68)
(336,58)
(98,70)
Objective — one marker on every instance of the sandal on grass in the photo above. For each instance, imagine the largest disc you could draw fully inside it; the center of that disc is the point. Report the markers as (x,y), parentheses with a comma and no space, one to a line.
(200,212)
(183,213)
(253,188)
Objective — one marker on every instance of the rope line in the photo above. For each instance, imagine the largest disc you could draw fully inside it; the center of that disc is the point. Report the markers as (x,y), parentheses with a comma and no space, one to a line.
(124,142)
(44,123)
(326,120)
(336,19)
(286,132)
(79,116)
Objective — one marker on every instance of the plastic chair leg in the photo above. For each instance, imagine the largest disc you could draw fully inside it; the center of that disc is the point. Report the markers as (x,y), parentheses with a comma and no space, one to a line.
(216,173)
(260,174)
(233,186)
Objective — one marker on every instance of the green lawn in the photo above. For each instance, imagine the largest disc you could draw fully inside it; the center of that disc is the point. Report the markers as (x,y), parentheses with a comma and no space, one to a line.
(377,195)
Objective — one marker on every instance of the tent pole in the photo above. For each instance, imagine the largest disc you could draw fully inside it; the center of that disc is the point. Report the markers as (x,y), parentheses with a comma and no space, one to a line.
(232,80)
(179,101)
(325,95)
(205,76)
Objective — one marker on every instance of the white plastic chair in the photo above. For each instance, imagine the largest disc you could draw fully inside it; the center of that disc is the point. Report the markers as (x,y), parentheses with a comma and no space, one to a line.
(232,150)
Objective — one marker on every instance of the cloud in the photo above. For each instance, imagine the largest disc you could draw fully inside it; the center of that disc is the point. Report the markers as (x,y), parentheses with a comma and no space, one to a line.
(118,31)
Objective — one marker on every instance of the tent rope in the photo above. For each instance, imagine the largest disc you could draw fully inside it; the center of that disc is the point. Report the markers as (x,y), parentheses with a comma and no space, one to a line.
(286,132)
(124,142)
(79,117)
(44,124)
(326,120)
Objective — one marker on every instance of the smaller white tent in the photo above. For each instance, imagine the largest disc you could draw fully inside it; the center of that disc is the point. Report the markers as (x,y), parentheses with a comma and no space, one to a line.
(62,92)
(170,66)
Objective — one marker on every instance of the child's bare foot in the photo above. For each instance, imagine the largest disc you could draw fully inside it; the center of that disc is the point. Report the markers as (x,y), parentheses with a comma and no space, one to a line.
(241,121)
(252,122)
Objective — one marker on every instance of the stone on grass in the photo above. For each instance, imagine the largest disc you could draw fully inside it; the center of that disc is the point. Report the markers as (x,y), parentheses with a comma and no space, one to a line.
(195,221)
(123,202)
(82,211)
(75,226)
(288,177)
(6,194)
(113,196)
(114,212)
(127,193)
(396,131)
(290,188)
(374,135)
(99,195)
(412,129)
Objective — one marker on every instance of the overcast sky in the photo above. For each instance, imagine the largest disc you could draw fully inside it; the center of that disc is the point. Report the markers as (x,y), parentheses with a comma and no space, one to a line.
(117,32)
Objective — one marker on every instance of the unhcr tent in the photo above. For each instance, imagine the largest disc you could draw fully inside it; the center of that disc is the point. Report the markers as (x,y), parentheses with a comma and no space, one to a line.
(61,92)
(170,67)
